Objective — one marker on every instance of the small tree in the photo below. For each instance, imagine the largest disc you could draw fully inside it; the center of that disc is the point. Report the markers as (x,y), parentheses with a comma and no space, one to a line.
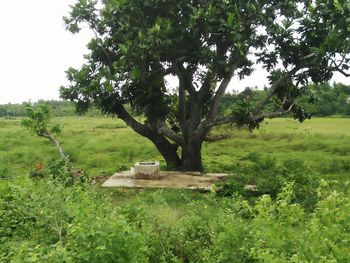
(204,43)
(38,122)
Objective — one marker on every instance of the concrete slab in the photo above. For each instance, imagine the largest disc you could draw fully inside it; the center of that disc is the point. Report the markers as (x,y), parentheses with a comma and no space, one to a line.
(166,179)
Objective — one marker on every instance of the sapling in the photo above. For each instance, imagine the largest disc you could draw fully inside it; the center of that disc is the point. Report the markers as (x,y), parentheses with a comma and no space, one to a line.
(38,122)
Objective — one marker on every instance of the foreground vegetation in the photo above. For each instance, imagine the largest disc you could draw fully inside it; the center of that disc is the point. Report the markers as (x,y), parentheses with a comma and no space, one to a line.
(300,212)
(43,221)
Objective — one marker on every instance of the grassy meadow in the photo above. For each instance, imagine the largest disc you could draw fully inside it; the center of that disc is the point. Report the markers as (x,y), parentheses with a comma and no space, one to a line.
(301,212)
(102,146)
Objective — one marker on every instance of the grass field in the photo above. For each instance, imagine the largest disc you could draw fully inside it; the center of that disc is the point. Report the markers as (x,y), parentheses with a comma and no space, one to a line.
(102,146)
(302,219)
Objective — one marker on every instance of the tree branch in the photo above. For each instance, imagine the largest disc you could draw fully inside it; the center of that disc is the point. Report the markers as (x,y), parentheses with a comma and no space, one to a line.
(212,72)
(182,99)
(170,134)
(130,121)
(343,72)
(145,130)
(207,83)
(204,127)
(338,69)
(184,77)
(272,114)
(272,90)
(217,98)
(220,121)
(230,118)
(49,136)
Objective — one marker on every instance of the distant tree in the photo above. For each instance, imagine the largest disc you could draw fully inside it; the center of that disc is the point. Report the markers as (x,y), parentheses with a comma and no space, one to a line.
(38,122)
(3,111)
(57,108)
(322,100)
(329,99)
(204,44)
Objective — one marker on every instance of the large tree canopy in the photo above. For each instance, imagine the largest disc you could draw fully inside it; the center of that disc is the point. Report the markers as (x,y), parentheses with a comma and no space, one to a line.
(204,43)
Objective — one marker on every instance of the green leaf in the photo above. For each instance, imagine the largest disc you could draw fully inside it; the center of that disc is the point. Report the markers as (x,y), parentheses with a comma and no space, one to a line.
(230,18)
(135,73)
(337,5)
(156,28)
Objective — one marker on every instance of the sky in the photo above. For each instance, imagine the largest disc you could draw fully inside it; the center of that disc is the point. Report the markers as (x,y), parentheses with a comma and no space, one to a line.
(36,50)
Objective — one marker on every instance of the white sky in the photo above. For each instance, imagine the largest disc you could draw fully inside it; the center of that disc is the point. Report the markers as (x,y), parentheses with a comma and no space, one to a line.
(36,50)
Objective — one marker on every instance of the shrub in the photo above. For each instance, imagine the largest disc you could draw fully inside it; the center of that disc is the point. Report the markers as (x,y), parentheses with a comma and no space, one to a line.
(281,231)
(60,171)
(44,220)
(269,177)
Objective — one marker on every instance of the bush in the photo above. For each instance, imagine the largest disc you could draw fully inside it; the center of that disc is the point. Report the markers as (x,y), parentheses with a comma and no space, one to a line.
(268,177)
(49,221)
(281,230)
(60,171)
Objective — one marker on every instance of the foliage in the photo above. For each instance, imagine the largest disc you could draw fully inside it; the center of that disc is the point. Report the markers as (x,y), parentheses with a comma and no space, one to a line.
(60,172)
(41,220)
(38,121)
(327,100)
(330,100)
(266,176)
(44,221)
(320,143)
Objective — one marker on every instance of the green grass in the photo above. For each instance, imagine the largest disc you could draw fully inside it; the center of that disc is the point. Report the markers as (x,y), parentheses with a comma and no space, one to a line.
(102,146)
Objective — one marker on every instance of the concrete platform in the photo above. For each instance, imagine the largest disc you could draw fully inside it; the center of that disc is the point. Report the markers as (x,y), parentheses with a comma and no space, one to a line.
(165,179)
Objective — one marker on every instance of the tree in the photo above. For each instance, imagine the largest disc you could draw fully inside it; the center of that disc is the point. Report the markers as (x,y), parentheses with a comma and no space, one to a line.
(203,43)
(38,123)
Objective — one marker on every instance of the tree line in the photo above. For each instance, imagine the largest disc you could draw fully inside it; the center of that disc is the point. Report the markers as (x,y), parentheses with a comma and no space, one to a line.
(58,108)
(328,100)
(322,100)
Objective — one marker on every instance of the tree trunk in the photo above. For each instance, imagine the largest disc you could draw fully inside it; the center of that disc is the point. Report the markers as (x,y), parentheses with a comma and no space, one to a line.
(58,146)
(168,151)
(192,156)
(166,148)
(51,137)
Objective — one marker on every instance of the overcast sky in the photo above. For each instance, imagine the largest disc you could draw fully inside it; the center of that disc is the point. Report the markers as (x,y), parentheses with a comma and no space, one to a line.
(35,51)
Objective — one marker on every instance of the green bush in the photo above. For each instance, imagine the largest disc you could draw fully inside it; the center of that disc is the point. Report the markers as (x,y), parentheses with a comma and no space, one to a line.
(60,171)
(268,177)
(281,231)
(44,220)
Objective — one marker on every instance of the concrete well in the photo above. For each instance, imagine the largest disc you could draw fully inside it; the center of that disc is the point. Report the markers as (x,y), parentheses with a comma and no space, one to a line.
(146,170)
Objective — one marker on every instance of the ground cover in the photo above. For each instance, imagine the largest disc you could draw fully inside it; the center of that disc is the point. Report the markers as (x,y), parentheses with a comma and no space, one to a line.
(300,214)
(102,146)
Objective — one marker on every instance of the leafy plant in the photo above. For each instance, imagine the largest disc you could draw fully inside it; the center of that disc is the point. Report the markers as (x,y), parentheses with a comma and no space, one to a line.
(38,122)
(262,175)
